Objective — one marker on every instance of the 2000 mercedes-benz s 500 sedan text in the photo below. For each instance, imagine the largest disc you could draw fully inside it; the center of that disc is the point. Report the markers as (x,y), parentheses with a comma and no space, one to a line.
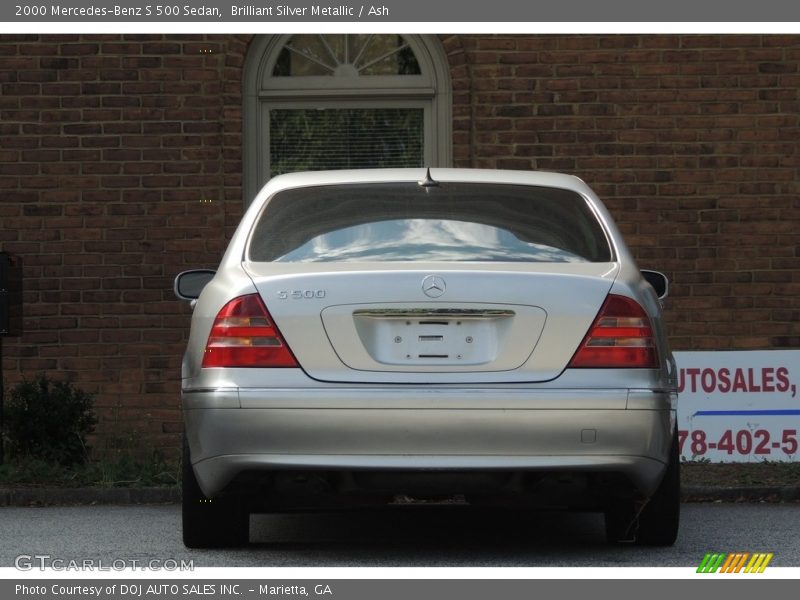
(376,336)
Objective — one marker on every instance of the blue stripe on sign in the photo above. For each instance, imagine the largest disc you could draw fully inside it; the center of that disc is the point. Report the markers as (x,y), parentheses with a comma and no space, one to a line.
(747,413)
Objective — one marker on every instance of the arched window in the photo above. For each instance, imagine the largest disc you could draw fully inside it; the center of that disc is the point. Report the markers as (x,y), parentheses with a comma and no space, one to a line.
(339,101)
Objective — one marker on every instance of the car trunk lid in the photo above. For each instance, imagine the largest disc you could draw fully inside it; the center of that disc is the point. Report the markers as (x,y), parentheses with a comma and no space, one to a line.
(399,323)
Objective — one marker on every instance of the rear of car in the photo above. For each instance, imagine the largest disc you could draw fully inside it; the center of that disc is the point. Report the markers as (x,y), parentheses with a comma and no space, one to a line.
(385,335)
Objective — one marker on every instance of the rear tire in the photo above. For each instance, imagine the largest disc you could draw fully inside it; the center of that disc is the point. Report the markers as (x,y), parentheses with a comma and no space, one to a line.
(210,522)
(656,524)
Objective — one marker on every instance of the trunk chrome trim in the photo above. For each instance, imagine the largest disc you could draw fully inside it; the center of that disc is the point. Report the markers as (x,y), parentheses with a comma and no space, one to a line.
(425,313)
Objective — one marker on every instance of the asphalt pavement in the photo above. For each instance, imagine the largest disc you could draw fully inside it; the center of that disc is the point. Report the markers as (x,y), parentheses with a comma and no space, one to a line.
(141,524)
(408,536)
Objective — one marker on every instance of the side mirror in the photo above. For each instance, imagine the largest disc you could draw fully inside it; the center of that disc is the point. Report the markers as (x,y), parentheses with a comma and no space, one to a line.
(189,284)
(659,282)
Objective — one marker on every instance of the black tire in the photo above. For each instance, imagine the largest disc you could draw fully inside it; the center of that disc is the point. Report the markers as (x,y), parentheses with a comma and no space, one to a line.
(210,522)
(655,524)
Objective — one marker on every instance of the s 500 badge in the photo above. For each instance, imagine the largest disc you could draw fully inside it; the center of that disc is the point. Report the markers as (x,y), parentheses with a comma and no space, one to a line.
(301,294)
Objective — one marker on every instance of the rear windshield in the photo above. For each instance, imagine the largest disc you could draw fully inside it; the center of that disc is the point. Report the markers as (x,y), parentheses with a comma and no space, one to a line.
(408,222)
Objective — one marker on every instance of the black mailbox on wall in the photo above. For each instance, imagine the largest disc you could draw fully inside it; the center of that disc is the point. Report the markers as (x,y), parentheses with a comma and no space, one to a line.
(10,295)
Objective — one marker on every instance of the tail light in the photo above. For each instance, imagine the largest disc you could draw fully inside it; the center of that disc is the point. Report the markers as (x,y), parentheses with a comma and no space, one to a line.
(620,337)
(244,335)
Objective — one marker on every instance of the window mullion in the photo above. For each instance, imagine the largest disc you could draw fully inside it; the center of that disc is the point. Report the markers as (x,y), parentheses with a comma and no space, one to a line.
(380,58)
(311,58)
(361,51)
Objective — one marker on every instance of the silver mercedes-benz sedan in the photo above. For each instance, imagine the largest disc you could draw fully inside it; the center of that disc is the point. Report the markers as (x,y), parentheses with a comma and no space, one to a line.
(385,337)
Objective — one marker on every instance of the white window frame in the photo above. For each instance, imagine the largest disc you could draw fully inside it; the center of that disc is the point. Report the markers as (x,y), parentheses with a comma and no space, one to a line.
(431,90)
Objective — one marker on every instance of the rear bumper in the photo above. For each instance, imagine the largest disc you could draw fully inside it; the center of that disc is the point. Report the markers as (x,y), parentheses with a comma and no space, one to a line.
(355,429)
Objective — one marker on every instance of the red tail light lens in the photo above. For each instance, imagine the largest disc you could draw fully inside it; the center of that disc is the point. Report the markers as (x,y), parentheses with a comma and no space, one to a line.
(620,337)
(244,335)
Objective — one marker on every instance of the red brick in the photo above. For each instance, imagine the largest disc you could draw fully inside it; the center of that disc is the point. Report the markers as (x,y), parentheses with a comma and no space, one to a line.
(78,49)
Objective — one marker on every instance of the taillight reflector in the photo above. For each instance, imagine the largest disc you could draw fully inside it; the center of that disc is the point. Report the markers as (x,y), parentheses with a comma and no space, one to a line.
(620,337)
(243,335)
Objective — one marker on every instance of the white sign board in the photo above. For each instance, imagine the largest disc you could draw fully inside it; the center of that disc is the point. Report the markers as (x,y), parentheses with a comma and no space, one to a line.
(739,406)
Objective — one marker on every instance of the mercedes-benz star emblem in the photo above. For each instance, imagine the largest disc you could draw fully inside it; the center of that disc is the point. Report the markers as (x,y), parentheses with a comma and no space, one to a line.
(433,286)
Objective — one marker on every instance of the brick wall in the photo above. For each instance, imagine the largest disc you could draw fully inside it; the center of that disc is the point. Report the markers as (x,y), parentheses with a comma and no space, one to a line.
(120,166)
(692,141)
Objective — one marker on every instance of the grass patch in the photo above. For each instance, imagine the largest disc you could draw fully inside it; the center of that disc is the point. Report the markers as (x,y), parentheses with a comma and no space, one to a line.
(118,472)
(740,474)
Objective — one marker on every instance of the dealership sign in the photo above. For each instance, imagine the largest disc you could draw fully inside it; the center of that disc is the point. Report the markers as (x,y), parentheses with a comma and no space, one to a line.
(739,406)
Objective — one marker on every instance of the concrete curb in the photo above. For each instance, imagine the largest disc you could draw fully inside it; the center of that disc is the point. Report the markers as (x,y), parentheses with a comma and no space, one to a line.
(53,496)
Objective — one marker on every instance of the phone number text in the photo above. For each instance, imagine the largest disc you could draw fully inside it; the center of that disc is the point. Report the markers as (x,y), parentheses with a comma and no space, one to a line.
(743,441)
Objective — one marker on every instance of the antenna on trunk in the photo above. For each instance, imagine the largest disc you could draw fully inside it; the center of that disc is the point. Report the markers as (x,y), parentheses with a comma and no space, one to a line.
(428,181)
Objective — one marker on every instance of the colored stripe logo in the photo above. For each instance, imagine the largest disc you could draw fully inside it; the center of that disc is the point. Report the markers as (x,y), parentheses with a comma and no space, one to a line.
(735,562)
(781,412)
